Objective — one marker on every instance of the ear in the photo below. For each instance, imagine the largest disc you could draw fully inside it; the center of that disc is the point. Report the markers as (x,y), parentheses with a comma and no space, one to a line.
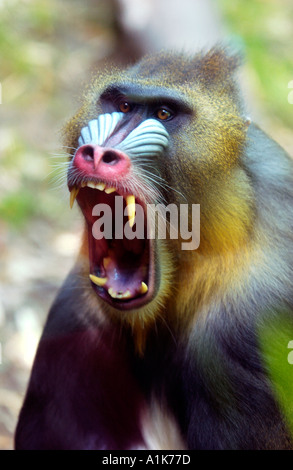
(218,65)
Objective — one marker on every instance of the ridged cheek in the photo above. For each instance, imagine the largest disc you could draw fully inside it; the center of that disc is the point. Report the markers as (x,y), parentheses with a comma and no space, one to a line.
(99,130)
(150,138)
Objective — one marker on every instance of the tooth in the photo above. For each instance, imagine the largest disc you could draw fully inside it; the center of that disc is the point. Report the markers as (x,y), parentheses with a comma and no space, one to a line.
(126,295)
(110,190)
(112,293)
(130,206)
(100,186)
(99,281)
(74,192)
(143,288)
(91,185)
(123,295)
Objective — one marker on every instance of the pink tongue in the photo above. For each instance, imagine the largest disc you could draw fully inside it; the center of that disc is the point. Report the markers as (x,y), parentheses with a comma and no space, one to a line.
(121,279)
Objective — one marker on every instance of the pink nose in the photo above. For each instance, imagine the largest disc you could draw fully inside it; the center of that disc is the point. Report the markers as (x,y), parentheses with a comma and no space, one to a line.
(101,162)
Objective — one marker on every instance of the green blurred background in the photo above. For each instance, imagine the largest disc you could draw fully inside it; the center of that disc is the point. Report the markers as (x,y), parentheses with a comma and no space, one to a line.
(48,49)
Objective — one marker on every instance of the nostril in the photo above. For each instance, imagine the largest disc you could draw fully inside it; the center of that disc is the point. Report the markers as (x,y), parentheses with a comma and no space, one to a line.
(87,153)
(100,161)
(110,157)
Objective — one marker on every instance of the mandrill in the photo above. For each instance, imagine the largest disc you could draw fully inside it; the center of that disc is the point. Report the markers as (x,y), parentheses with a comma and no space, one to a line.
(152,342)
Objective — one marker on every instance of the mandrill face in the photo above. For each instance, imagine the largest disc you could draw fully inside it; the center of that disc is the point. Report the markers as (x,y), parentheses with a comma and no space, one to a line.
(143,149)
(104,178)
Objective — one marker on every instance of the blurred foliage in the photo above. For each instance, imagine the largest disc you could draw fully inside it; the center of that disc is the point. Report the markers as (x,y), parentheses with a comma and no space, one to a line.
(275,338)
(46,48)
(264,29)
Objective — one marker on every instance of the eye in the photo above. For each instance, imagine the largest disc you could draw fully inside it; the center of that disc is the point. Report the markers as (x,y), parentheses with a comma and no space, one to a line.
(124,107)
(163,114)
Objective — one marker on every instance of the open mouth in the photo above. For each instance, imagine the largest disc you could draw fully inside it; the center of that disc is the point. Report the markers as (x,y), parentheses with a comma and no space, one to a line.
(121,255)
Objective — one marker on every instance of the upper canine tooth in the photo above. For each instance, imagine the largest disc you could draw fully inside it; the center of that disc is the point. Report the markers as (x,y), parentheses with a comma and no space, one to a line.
(74,192)
(110,190)
(130,208)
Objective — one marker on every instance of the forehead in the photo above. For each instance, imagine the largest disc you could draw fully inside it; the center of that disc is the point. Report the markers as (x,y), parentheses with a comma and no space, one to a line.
(144,92)
(164,68)
(174,79)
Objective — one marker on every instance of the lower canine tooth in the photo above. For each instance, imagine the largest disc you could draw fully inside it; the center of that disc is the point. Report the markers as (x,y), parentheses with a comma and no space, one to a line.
(99,281)
(143,288)
(74,192)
